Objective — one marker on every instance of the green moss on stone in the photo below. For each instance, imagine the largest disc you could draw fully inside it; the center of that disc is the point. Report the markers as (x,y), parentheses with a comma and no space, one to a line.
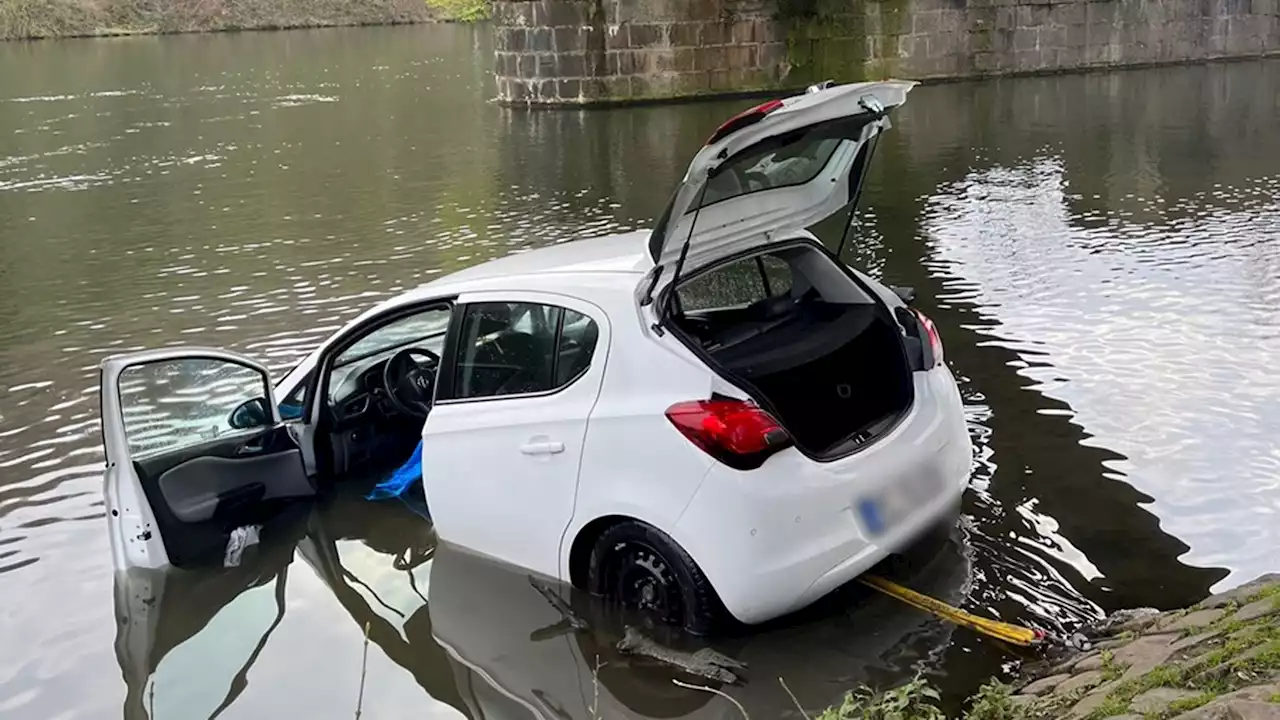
(1177,707)
(1266,592)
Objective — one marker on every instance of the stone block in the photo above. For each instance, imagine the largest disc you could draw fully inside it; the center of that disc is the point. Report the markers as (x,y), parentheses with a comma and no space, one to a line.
(872,23)
(517,93)
(567,13)
(618,88)
(685,59)
(595,63)
(642,35)
(538,16)
(1159,699)
(772,55)
(1026,39)
(659,61)
(1257,609)
(719,80)
(528,66)
(1045,685)
(913,46)
(711,58)
(571,65)
(1199,618)
(594,90)
(569,88)
(1054,36)
(742,56)
(746,78)
(685,34)
(953,20)
(715,33)
(692,83)
(1068,13)
(988,63)
(568,39)
(540,40)
(743,31)
(1069,58)
(546,65)
(517,39)
(1082,681)
(874,47)
(946,43)
(1006,17)
(1077,36)
(513,13)
(925,22)
(980,18)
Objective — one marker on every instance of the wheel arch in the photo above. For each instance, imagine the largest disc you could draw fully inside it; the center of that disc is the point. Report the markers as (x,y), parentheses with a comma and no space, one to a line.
(585,540)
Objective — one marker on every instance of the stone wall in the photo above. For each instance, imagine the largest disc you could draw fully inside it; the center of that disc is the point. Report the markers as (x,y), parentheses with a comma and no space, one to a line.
(584,51)
(593,51)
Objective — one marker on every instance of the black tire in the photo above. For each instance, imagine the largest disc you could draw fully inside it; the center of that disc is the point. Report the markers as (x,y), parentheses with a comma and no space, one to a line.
(639,566)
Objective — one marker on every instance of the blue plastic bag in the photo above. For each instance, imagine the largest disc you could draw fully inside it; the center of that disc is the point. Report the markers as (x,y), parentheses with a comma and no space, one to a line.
(402,479)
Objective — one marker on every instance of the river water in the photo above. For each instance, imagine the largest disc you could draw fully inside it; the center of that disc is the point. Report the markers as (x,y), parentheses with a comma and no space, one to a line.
(1101,253)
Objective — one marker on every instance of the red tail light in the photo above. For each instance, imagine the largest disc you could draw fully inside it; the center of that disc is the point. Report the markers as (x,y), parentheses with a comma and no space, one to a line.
(935,340)
(743,119)
(735,432)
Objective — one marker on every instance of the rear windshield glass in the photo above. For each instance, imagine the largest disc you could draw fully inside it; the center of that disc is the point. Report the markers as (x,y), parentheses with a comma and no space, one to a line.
(793,164)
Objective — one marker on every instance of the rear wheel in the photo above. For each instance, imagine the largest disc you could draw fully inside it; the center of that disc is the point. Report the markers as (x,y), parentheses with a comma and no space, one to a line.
(640,567)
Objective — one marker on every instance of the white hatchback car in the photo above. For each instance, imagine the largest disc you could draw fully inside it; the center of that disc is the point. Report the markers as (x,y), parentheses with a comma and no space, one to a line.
(715,415)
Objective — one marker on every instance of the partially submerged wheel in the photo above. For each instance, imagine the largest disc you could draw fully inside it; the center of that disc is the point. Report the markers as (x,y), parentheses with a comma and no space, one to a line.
(640,567)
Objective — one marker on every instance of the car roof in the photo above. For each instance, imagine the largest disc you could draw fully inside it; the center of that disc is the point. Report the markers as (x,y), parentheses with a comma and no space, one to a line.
(623,253)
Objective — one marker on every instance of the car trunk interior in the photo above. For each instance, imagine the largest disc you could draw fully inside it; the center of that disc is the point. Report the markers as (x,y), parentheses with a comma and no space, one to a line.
(805,337)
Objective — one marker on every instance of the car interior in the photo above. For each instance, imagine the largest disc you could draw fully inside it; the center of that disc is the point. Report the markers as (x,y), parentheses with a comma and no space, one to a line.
(803,334)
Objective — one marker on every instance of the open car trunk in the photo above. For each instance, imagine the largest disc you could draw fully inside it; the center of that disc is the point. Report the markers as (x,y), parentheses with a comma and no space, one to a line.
(806,339)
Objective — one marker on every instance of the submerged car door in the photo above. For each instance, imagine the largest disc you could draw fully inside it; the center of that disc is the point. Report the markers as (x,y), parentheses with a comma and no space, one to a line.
(195,448)
(502,445)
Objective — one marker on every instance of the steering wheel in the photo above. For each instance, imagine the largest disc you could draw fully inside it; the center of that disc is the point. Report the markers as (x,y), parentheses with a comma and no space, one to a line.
(411,384)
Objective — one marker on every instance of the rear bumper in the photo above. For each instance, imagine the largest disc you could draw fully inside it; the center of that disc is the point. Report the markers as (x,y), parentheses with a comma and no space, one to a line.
(775,539)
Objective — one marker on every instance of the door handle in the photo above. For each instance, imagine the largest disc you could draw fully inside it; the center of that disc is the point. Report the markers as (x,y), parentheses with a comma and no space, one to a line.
(542,448)
(250,448)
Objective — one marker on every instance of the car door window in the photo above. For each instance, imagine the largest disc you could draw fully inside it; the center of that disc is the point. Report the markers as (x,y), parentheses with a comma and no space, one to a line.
(173,404)
(505,349)
(578,336)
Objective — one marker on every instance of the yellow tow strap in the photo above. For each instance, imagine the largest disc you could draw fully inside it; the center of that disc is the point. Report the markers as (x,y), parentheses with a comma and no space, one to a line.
(1013,634)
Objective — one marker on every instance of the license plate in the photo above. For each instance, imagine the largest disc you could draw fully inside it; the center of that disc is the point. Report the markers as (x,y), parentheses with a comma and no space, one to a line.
(883,511)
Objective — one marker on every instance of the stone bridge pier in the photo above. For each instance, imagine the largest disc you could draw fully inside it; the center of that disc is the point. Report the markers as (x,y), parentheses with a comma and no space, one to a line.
(586,52)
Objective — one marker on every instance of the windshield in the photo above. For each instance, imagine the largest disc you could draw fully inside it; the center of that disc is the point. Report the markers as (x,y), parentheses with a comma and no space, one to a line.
(399,333)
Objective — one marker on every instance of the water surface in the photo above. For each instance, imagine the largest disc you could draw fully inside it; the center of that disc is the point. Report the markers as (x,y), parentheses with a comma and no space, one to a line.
(1100,253)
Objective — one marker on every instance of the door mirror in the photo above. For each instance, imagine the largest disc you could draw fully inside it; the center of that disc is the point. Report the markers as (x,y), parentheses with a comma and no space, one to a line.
(250,414)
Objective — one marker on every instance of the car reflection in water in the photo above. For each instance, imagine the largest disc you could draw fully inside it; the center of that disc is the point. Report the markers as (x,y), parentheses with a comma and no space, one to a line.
(479,636)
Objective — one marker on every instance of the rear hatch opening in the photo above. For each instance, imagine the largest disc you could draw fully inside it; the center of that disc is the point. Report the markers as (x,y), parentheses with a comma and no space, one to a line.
(806,339)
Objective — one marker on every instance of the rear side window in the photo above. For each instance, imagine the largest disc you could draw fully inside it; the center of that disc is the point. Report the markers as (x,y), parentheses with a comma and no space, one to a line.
(577,344)
(518,349)
(736,284)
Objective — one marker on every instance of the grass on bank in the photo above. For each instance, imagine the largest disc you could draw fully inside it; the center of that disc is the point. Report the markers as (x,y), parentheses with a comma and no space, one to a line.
(31,19)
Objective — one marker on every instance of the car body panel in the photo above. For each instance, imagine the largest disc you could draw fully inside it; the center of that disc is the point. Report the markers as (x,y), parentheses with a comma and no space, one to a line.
(519,454)
(731,226)
(134,524)
(777,538)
